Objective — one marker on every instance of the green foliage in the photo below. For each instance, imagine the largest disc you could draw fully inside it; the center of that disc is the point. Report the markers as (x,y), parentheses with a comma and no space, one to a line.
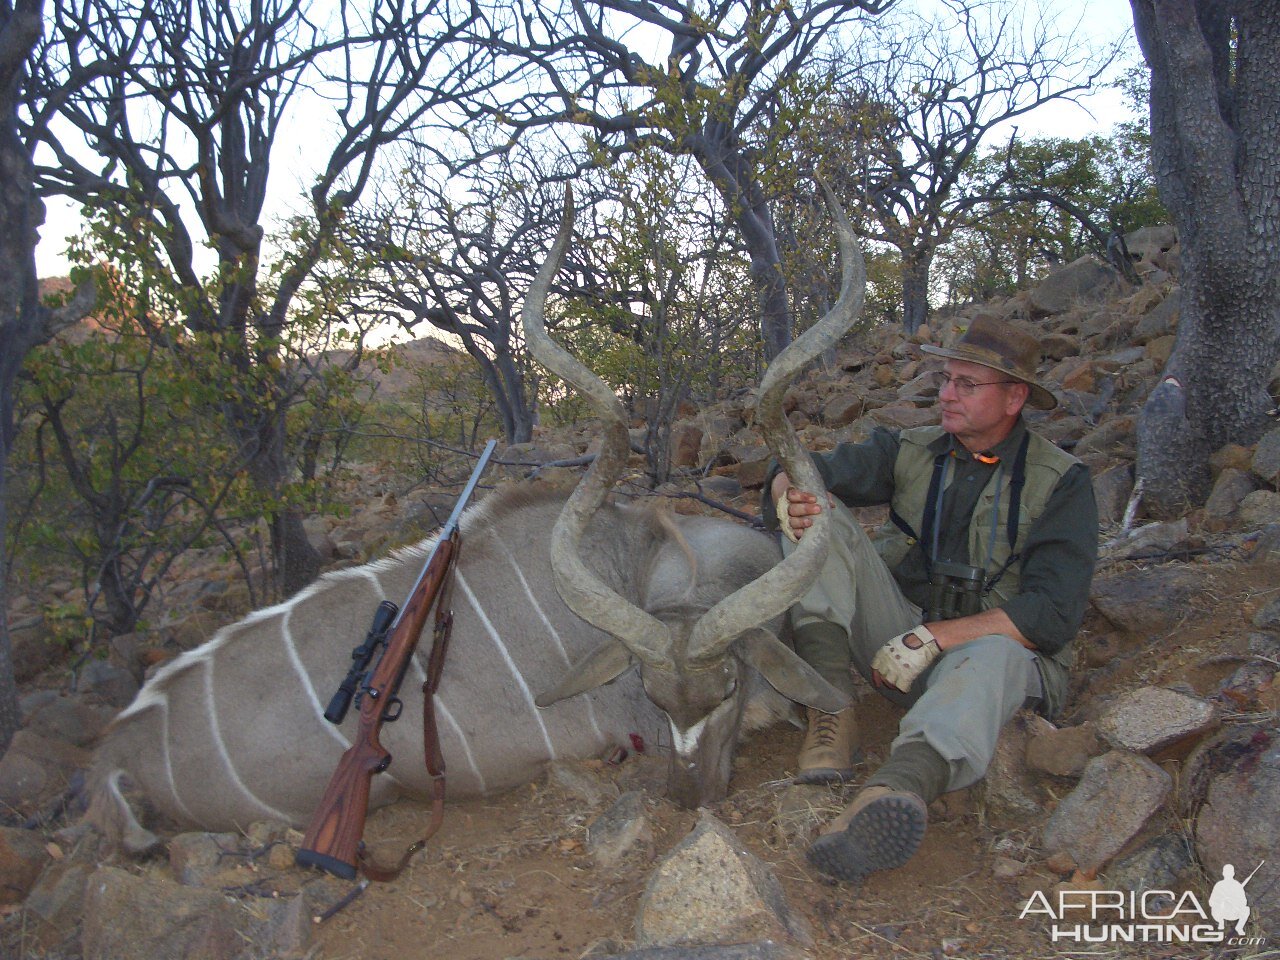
(129,461)
(126,463)
(673,318)
(1006,245)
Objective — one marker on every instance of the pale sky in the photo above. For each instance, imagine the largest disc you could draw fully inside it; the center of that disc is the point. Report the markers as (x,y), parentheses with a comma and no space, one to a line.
(1102,21)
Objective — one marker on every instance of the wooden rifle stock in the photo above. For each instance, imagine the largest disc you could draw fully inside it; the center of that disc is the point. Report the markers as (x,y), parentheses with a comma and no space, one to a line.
(333,839)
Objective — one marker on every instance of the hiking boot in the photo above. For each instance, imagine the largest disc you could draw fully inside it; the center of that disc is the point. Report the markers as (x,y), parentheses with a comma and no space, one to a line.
(830,747)
(880,830)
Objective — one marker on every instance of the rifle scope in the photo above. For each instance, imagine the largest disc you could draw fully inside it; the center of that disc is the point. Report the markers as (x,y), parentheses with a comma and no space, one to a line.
(360,656)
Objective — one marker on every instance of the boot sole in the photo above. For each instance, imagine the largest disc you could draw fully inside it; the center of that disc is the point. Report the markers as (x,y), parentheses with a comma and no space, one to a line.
(884,835)
(823,775)
(827,775)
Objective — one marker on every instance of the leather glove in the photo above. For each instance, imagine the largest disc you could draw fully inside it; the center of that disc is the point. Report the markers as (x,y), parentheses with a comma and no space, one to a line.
(900,664)
(784,518)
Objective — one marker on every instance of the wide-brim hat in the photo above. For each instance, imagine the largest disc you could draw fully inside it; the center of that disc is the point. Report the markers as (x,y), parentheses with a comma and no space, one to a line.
(1003,347)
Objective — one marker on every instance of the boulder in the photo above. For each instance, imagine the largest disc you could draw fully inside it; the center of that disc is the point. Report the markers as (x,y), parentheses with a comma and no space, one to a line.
(1229,490)
(1266,548)
(1083,377)
(36,770)
(1145,243)
(1266,458)
(128,916)
(1239,822)
(619,830)
(1009,789)
(35,648)
(1063,752)
(1150,539)
(196,858)
(1268,618)
(1160,349)
(1259,509)
(1230,455)
(1161,864)
(71,719)
(56,903)
(1161,321)
(1116,796)
(1111,489)
(686,445)
(842,409)
(1109,440)
(114,684)
(1147,602)
(920,389)
(721,488)
(22,857)
(1058,346)
(709,889)
(751,473)
(1151,719)
(583,781)
(903,415)
(1086,280)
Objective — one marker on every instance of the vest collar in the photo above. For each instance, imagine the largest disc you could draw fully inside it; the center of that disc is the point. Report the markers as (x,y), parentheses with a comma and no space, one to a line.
(1006,449)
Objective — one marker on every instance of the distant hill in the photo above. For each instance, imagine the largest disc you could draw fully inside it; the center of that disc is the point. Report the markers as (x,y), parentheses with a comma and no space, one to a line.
(400,382)
(410,357)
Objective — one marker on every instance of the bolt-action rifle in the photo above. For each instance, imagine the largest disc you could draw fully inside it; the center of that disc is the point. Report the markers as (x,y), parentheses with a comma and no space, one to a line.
(333,841)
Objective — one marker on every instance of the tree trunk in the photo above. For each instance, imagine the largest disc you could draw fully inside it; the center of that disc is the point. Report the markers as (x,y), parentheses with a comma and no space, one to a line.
(726,165)
(296,561)
(915,290)
(506,386)
(21,316)
(1215,124)
(10,718)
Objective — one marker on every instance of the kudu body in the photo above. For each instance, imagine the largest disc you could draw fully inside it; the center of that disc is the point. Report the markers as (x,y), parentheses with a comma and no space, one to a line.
(233,732)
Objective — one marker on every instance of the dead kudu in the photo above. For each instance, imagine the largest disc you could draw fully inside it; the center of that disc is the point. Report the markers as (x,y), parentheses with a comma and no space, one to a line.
(233,732)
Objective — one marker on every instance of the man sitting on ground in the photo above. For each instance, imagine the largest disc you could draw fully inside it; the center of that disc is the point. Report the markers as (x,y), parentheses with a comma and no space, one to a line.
(964,607)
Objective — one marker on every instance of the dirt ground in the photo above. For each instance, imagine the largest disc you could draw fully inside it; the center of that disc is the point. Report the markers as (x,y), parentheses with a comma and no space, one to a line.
(512,877)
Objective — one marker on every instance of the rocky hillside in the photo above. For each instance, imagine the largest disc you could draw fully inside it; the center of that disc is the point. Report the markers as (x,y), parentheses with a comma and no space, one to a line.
(1165,768)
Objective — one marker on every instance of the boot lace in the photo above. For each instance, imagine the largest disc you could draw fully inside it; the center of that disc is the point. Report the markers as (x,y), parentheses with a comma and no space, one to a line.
(824,729)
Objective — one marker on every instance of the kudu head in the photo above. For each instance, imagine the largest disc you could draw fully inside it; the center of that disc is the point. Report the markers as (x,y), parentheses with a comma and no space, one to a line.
(694,664)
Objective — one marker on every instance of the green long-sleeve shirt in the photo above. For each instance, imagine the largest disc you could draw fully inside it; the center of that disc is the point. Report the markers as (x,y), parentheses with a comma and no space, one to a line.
(1056,559)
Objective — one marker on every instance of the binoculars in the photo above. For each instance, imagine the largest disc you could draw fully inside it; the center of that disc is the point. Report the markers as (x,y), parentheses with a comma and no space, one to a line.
(955,590)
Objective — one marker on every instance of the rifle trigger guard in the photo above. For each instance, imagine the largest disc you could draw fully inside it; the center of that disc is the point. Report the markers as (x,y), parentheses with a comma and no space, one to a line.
(394,708)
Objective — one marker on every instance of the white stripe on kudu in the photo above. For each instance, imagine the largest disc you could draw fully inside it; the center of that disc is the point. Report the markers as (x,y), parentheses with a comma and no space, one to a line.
(564,654)
(313,697)
(444,713)
(162,702)
(221,747)
(506,656)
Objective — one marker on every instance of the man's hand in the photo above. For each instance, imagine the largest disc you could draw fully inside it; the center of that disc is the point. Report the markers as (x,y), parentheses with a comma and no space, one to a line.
(900,661)
(796,508)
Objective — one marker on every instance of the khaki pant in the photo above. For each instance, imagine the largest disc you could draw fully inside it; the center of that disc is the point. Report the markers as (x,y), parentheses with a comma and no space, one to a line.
(959,705)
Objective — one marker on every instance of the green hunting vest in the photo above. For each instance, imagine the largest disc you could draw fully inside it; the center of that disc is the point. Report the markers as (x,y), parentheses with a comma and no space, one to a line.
(912,473)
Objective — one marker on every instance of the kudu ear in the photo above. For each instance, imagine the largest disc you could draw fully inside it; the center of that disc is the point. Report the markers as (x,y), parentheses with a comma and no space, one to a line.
(787,673)
(606,662)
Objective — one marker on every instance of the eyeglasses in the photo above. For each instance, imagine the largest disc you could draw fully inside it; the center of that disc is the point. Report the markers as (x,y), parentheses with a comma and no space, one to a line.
(964,386)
